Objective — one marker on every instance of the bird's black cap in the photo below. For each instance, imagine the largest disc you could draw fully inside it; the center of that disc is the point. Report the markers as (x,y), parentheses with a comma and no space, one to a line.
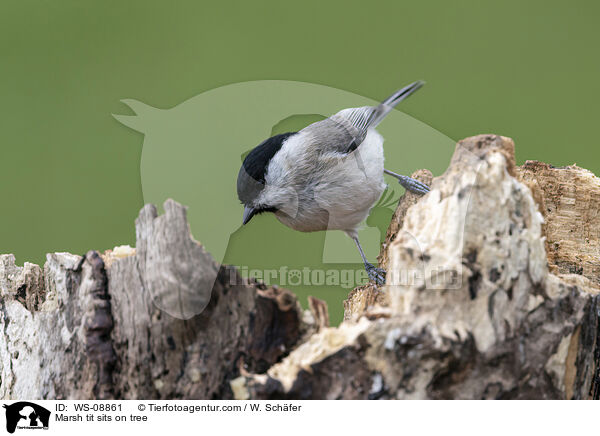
(251,178)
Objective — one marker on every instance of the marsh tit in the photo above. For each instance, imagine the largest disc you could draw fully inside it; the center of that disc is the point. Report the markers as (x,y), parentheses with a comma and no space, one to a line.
(327,176)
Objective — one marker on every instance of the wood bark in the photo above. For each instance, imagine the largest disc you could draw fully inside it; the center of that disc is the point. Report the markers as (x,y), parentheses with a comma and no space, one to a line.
(95,327)
(478,314)
(493,292)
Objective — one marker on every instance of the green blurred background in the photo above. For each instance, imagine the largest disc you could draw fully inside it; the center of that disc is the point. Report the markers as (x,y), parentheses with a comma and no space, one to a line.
(70,173)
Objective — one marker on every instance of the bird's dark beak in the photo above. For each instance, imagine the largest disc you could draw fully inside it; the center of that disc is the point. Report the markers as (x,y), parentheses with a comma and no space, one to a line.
(249,212)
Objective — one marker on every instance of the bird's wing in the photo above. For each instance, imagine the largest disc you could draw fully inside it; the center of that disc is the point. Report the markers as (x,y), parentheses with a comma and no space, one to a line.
(347,129)
(357,122)
(342,132)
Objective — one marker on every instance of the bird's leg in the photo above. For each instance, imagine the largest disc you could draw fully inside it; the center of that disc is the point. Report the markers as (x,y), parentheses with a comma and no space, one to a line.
(409,183)
(376,275)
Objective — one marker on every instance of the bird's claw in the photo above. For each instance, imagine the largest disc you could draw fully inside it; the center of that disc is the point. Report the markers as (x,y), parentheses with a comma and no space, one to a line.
(413,185)
(376,275)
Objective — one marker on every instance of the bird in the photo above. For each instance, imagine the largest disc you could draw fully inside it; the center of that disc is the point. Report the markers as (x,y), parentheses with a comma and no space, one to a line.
(326,176)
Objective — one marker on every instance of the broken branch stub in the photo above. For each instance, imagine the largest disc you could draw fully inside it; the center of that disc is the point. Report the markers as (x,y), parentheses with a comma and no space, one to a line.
(471,309)
(92,327)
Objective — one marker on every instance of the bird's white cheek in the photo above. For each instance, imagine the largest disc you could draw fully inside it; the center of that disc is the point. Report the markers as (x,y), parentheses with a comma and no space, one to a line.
(284,199)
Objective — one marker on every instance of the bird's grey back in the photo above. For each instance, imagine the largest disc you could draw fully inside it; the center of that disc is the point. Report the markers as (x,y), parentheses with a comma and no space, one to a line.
(347,129)
(335,134)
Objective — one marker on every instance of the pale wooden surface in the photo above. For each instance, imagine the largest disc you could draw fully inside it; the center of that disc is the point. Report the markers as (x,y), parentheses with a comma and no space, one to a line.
(486,313)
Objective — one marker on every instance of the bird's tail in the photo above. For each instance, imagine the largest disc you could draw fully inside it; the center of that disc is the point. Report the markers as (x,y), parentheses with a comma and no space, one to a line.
(389,103)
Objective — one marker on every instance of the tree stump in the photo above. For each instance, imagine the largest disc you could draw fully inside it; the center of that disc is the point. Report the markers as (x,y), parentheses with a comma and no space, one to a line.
(493,292)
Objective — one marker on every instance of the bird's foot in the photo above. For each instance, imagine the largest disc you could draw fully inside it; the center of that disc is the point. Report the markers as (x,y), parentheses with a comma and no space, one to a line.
(413,185)
(376,275)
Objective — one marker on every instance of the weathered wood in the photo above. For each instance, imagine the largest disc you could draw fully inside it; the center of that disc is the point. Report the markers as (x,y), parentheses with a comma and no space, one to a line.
(478,314)
(96,326)
(319,311)
(487,297)
(569,199)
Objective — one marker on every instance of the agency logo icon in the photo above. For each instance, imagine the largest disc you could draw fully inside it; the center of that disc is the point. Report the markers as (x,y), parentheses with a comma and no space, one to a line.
(192,153)
(26,415)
